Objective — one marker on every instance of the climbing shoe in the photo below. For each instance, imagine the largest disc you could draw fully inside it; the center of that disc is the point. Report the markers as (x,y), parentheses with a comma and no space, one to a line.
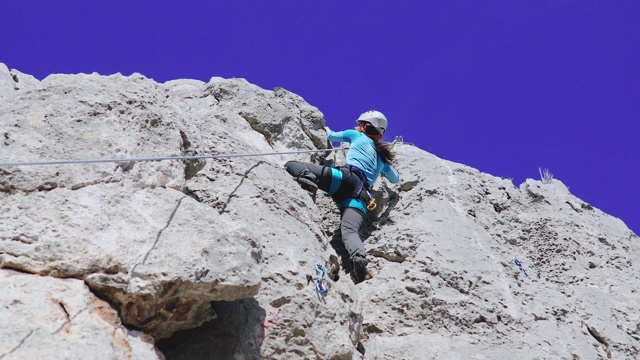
(361,273)
(307,181)
(334,268)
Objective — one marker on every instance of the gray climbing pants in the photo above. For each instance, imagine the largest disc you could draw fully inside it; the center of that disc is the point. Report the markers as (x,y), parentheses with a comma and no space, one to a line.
(351,221)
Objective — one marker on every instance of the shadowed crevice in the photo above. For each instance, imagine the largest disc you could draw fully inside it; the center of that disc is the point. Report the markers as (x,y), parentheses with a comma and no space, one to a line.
(237,332)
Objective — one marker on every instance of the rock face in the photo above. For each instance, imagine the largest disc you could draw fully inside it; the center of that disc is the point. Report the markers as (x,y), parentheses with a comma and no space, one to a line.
(445,249)
(207,258)
(45,317)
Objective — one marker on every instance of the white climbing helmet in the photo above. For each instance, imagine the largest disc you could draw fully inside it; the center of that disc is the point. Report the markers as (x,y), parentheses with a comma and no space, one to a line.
(375,118)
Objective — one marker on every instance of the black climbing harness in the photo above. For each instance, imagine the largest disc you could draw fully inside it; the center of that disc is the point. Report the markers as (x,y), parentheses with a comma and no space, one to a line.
(363,192)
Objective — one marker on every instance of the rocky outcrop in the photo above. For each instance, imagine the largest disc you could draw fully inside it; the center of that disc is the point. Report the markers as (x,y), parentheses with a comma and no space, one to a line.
(208,258)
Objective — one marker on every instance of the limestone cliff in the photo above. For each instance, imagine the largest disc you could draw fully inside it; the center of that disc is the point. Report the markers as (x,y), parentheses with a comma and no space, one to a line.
(208,258)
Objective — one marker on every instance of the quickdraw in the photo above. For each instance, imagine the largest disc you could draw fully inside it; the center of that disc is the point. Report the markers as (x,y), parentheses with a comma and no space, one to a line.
(517,262)
(321,287)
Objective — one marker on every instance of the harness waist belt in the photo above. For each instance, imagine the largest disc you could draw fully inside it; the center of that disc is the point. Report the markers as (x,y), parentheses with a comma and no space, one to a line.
(353,203)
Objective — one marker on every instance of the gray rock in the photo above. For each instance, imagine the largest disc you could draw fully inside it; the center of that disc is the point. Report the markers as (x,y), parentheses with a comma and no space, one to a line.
(210,256)
(12,81)
(46,318)
(169,243)
(447,284)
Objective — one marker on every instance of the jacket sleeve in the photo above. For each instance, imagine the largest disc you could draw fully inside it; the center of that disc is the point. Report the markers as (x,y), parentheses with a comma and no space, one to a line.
(390,173)
(342,136)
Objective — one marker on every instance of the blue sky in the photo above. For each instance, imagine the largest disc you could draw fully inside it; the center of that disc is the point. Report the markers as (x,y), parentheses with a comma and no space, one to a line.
(503,86)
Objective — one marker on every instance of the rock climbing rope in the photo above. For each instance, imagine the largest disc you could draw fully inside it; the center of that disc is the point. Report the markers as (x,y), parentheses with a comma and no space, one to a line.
(194,157)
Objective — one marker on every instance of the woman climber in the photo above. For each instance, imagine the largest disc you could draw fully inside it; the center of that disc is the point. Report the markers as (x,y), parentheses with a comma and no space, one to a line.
(350,185)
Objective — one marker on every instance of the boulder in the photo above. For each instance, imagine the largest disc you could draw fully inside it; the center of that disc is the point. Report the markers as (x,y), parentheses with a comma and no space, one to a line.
(44,318)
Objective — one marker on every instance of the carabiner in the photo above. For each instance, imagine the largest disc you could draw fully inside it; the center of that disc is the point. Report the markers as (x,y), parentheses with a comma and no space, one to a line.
(372,204)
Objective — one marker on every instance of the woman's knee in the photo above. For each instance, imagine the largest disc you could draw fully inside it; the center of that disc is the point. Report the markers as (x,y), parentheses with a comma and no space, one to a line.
(290,163)
(294,167)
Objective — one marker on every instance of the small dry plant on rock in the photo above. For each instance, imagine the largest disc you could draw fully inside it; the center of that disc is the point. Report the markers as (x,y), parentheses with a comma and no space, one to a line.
(545,175)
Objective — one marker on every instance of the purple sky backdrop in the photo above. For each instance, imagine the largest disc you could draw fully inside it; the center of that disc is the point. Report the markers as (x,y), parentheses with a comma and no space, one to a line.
(503,86)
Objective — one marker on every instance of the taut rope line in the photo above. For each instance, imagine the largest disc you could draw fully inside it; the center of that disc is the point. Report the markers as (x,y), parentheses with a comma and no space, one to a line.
(194,157)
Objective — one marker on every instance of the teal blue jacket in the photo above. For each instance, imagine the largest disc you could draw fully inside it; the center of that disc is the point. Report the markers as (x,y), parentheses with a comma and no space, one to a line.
(362,154)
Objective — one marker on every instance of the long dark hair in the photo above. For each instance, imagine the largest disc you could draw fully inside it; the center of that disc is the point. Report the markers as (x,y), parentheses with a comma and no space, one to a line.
(383,149)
